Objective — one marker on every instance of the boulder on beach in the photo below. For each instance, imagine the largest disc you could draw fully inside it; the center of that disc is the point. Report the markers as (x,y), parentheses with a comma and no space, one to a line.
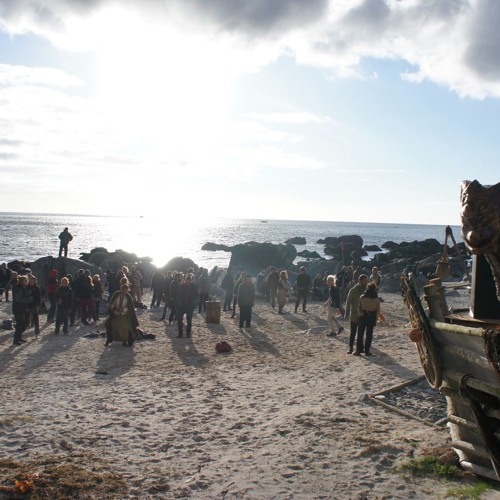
(180,264)
(63,265)
(309,255)
(354,239)
(296,240)
(372,248)
(214,247)
(253,256)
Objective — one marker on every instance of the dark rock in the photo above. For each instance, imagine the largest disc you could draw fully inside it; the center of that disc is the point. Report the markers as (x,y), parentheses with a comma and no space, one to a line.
(64,266)
(415,250)
(297,240)
(213,247)
(253,256)
(309,255)
(379,259)
(322,267)
(180,264)
(354,239)
(372,248)
(389,245)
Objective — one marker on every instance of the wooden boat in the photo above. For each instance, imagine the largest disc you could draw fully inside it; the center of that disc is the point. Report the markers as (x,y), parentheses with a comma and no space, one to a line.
(460,349)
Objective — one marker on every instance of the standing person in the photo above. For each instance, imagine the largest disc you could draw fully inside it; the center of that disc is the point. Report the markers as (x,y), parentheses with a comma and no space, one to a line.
(283,287)
(272,282)
(86,292)
(136,282)
(237,284)
(5,277)
(34,307)
(122,322)
(368,311)
(204,285)
(178,278)
(166,293)
(50,293)
(375,277)
(317,293)
(246,300)
(342,282)
(157,284)
(20,301)
(97,293)
(333,304)
(64,298)
(228,285)
(65,237)
(303,287)
(351,308)
(186,302)
(76,286)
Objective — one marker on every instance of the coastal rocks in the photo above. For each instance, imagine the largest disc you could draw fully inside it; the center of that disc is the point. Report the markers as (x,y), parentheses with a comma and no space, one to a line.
(297,240)
(415,250)
(253,257)
(214,247)
(180,264)
(372,248)
(309,255)
(354,239)
(64,266)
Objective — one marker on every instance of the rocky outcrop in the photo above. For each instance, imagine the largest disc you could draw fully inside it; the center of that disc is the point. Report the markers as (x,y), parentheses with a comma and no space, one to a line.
(214,247)
(64,266)
(253,256)
(180,264)
(297,240)
(415,250)
(372,248)
(309,255)
(353,239)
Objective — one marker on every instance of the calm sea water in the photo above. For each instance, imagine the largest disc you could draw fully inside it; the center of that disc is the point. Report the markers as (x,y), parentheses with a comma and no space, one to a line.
(31,236)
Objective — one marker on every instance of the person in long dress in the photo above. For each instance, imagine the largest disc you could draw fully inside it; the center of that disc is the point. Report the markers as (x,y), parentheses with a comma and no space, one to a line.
(122,322)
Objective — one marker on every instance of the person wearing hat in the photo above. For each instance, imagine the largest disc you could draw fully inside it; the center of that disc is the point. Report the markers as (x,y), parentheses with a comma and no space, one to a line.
(122,322)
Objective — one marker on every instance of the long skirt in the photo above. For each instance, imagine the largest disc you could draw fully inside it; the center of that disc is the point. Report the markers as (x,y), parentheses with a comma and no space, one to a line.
(121,328)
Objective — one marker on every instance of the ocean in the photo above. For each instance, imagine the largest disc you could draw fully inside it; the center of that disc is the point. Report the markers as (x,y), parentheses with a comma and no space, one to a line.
(29,236)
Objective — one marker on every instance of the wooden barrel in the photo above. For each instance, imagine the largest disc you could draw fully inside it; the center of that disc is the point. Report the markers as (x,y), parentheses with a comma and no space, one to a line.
(213,311)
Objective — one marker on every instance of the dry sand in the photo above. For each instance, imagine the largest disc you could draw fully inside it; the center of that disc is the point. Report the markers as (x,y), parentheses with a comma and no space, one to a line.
(285,415)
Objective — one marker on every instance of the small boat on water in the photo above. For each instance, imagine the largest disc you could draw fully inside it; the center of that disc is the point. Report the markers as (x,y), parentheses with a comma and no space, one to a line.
(460,348)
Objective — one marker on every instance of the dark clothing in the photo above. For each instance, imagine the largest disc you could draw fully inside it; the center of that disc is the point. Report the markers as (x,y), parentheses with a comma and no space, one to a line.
(335,296)
(65,237)
(64,297)
(246,300)
(303,286)
(173,292)
(22,300)
(228,285)
(187,297)
(33,308)
(272,282)
(5,277)
(157,284)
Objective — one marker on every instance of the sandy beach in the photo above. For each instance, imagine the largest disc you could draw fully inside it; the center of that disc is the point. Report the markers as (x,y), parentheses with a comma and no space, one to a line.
(285,415)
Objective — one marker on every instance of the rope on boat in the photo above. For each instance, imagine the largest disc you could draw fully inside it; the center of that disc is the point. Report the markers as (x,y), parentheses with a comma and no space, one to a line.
(491,442)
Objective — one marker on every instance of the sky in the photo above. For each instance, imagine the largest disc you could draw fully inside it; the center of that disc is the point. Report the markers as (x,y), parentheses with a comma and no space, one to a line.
(336,110)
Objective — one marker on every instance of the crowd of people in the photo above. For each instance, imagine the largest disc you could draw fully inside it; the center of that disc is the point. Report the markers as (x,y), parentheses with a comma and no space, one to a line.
(349,295)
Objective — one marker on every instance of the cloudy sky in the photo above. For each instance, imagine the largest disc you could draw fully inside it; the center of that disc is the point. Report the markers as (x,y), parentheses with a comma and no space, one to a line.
(343,110)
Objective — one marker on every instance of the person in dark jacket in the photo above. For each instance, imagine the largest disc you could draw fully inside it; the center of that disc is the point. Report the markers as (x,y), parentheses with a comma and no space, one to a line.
(228,285)
(50,293)
(303,287)
(166,293)
(33,308)
(21,300)
(76,287)
(86,292)
(157,284)
(368,311)
(237,284)
(272,282)
(64,297)
(5,276)
(97,294)
(65,237)
(187,299)
(333,305)
(178,277)
(246,300)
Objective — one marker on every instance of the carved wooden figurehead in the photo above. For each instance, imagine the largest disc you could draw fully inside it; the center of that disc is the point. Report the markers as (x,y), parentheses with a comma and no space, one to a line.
(480,214)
